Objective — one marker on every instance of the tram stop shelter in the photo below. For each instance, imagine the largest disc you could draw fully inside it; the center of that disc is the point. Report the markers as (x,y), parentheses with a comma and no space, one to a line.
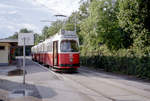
(7,51)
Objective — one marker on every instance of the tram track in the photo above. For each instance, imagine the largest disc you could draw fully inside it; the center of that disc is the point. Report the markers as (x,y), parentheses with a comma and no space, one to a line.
(108,83)
(119,85)
(114,80)
(99,93)
(83,74)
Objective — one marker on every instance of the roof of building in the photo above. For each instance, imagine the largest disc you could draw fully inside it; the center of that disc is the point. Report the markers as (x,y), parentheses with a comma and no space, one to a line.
(9,40)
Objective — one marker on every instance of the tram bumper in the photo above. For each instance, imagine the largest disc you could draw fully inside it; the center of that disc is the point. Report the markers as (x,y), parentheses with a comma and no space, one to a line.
(69,65)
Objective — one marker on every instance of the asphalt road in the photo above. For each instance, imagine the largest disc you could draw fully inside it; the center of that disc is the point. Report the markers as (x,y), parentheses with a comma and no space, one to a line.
(86,85)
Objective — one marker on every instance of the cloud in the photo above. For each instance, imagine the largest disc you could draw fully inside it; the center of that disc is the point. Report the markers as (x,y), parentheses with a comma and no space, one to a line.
(59,6)
(12,12)
(17,14)
(5,6)
(6,31)
(8,12)
(30,27)
(11,27)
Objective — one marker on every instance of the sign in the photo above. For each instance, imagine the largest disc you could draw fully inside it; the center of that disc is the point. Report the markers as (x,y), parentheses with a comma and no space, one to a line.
(25,39)
(28,37)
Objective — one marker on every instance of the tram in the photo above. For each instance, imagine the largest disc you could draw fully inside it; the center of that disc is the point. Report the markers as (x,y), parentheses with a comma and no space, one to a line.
(60,52)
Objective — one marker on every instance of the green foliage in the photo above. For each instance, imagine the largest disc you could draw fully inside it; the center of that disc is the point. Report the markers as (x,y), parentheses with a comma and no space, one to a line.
(45,31)
(15,36)
(37,38)
(122,61)
(83,10)
(25,30)
(133,18)
(55,27)
(116,36)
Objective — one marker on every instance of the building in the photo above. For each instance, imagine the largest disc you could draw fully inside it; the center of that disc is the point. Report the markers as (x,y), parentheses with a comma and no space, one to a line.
(7,51)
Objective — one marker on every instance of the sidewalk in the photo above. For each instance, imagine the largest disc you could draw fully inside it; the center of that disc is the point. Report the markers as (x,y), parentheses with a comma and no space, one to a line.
(8,84)
(5,69)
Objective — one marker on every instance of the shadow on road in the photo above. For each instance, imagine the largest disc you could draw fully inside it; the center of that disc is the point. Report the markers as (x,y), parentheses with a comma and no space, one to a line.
(11,85)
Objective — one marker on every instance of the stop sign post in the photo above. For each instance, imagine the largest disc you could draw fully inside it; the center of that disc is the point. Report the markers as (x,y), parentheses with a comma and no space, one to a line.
(25,39)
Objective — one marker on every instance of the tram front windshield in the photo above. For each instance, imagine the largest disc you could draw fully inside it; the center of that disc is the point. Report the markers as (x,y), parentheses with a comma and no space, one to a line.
(69,46)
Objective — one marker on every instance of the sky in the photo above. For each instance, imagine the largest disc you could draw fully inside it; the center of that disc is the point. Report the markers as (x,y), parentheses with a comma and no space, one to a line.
(17,14)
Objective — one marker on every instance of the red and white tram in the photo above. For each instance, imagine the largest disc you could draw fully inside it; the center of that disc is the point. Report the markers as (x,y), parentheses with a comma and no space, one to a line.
(60,51)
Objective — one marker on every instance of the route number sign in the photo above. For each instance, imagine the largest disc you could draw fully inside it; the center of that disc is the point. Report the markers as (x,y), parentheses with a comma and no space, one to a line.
(28,37)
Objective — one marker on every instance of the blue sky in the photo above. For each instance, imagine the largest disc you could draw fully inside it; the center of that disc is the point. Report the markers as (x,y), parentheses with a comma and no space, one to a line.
(17,14)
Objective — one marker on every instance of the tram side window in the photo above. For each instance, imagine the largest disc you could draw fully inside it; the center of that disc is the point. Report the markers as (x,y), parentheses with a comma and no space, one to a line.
(49,47)
(69,46)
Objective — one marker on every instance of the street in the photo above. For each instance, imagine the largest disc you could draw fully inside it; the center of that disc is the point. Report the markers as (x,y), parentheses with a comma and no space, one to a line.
(85,85)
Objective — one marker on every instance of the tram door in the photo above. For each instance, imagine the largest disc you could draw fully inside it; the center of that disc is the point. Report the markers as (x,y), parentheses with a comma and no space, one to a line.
(55,53)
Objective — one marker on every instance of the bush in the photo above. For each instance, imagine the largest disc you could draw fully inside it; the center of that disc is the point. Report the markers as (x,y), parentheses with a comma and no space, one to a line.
(123,61)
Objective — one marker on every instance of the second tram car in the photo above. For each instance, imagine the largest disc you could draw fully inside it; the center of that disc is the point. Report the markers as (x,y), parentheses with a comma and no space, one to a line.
(60,51)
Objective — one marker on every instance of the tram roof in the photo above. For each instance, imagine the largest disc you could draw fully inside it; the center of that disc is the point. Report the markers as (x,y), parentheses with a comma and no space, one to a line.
(62,34)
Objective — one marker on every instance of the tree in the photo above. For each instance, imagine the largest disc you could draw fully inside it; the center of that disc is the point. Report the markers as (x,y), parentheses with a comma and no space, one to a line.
(25,30)
(37,38)
(101,26)
(55,27)
(45,32)
(134,20)
(83,10)
(15,36)
(73,19)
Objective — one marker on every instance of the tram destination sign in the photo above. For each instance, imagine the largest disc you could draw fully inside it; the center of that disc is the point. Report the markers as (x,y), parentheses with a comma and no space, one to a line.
(28,38)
